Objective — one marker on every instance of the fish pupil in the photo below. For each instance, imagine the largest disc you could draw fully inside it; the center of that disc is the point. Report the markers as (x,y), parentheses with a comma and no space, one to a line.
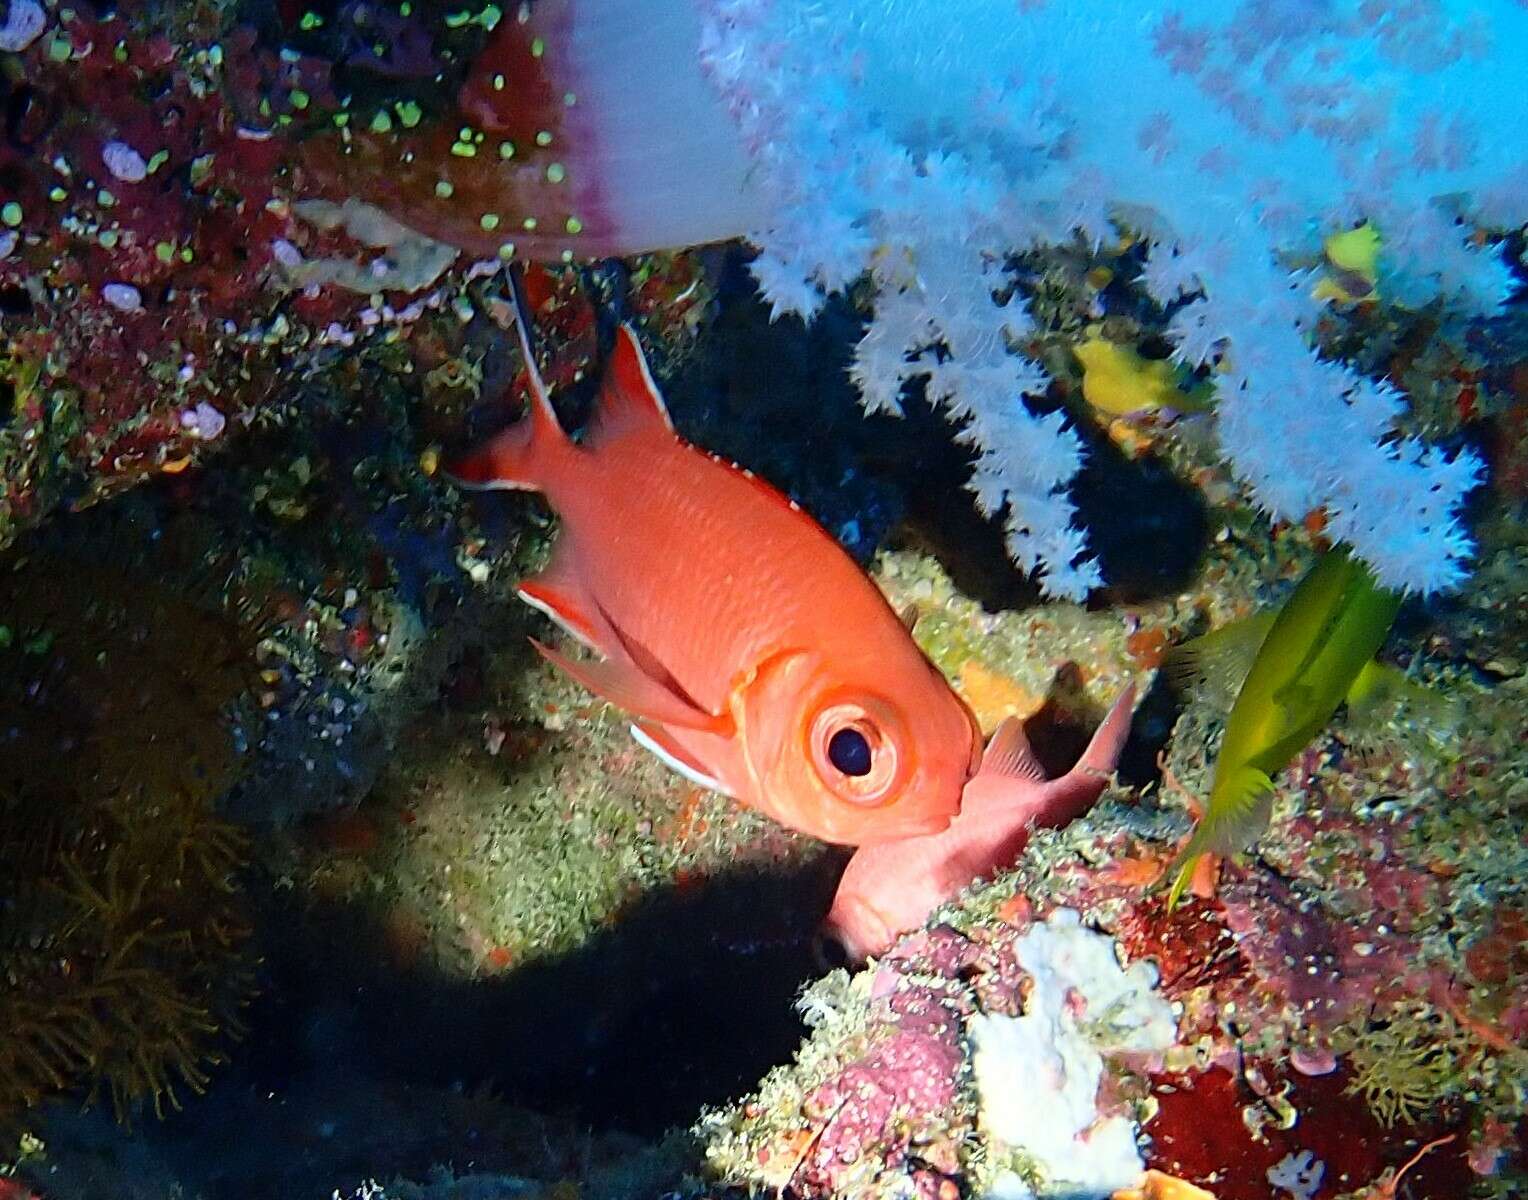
(849,752)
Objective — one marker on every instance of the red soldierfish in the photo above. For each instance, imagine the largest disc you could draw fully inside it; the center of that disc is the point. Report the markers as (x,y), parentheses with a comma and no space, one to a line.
(754,655)
(888,890)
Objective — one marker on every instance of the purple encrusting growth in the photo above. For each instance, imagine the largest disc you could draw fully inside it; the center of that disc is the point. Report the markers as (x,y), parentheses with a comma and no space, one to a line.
(931,1054)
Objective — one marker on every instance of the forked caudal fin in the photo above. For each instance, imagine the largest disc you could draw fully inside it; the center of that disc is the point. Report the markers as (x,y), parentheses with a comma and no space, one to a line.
(1074,793)
(629,399)
(519,458)
(1009,754)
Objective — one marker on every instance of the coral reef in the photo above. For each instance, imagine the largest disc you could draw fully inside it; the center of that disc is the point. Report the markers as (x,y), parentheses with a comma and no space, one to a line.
(956,1057)
(1405,1068)
(139,321)
(170,275)
(473,897)
(1330,982)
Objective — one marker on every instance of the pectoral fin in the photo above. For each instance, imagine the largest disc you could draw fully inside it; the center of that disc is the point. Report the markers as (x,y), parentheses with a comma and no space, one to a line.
(621,683)
(1385,702)
(1237,814)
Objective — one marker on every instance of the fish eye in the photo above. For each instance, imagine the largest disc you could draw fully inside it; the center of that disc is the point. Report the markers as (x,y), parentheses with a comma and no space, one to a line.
(856,752)
(849,751)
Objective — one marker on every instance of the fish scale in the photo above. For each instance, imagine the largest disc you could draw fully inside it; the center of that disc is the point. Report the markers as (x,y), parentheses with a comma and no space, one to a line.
(666,542)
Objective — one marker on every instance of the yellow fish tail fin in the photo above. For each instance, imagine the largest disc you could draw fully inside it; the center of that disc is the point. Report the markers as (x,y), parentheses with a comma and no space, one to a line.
(1237,814)
(1384,703)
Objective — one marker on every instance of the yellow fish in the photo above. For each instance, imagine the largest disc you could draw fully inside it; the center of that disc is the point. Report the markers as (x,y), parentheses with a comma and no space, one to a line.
(1311,655)
(1118,380)
(1352,261)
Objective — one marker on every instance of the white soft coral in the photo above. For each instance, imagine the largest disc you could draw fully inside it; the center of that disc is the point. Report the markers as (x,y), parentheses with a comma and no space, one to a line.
(923,147)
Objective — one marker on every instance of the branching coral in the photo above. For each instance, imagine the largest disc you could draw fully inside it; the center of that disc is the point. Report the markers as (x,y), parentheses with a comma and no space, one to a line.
(138,967)
(121,946)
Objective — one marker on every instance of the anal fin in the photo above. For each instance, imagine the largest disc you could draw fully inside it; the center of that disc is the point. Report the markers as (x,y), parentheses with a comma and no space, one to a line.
(557,592)
(1236,816)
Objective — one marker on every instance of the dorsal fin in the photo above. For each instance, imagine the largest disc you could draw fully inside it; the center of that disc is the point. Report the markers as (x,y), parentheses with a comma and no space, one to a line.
(1219,661)
(542,414)
(1009,753)
(629,399)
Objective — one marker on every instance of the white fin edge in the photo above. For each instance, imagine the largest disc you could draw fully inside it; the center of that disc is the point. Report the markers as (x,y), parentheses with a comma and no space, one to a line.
(647,379)
(689,772)
(558,620)
(493,485)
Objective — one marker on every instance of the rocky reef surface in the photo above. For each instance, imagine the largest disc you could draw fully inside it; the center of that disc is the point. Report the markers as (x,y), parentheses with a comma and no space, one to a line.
(392,909)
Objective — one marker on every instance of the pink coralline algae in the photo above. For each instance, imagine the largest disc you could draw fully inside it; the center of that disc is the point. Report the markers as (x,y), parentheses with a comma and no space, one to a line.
(160,253)
(885,1105)
(906,1075)
(1336,995)
(1340,932)
(932,1055)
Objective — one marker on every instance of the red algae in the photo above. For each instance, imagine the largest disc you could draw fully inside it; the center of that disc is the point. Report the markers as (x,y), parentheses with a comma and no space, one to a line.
(492,173)
(1192,946)
(1202,1133)
(577,130)
(157,268)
